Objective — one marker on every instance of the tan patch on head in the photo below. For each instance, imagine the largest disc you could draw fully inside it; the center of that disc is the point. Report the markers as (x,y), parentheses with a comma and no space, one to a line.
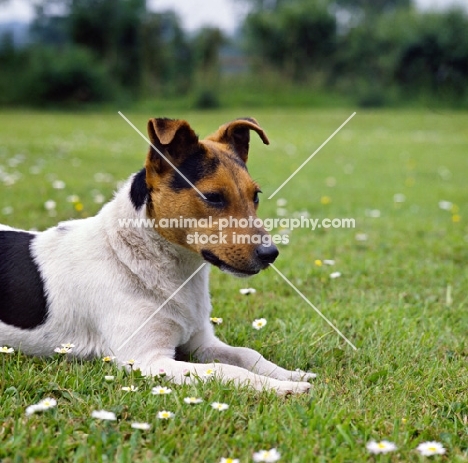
(216,166)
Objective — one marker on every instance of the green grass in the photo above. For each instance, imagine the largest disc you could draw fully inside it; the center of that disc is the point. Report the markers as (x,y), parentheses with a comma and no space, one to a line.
(407,382)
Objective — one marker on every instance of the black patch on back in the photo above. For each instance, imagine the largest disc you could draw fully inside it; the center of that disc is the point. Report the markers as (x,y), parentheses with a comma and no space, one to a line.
(22,299)
(195,167)
(139,191)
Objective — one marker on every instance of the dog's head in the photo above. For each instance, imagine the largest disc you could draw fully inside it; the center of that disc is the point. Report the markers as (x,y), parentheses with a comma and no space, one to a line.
(205,188)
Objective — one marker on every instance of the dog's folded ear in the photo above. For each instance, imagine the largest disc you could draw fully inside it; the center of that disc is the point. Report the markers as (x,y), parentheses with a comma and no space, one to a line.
(174,138)
(236,134)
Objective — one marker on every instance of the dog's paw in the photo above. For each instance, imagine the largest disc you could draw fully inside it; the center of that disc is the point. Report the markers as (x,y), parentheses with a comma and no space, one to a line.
(292,387)
(300,375)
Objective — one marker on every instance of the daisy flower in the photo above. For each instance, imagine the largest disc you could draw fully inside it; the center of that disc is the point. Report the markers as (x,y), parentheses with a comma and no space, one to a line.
(216,320)
(335,275)
(164,415)
(58,184)
(329,262)
(108,358)
(131,388)
(428,449)
(62,350)
(220,406)
(50,205)
(445,205)
(247,291)
(103,415)
(208,373)
(44,404)
(383,446)
(229,460)
(161,390)
(399,198)
(109,378)
(192,400)
(68,345)
(142,426)
(162,373)
(6,350)
(73,199)
(259,323)
(130,363)
(267,455)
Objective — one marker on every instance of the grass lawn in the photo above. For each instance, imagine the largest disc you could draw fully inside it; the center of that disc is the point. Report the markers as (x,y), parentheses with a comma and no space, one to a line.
(401,298)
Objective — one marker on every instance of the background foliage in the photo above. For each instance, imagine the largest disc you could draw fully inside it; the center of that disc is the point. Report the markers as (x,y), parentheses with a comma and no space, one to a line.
(367,52)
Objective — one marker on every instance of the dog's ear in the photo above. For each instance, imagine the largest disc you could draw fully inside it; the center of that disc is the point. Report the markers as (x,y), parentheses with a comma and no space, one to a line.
(236,134)
(174,138)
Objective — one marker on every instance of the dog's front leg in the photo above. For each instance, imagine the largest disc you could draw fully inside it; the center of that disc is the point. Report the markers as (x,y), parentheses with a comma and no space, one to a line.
(208,348)
(185,372)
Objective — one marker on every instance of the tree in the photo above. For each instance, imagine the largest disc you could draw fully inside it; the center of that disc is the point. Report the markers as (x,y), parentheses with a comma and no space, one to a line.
(295,38)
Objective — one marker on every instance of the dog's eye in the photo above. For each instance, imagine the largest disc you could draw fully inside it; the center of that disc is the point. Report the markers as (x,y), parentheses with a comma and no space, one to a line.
(215,199)
(256,199)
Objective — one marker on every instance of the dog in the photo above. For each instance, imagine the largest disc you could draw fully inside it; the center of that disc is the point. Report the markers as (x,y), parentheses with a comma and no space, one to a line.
(139,292)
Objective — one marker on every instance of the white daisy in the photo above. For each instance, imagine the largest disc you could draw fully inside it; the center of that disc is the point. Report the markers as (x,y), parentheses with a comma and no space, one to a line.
(68,345)
(50,205)
(192,400)
(399,198)
(220,406)
(335,275)
(142,426)
(329,262)
(109,378)
(445,205)
(103,415)
(216,320)
(229,460)
(58,184)
(259,323)
(131,388)
(271,455)
(164,415)
(428,449)
(383,446)
(161,390)
(62,350)
(6,350)
(44,404)
(247,291)
(208,373)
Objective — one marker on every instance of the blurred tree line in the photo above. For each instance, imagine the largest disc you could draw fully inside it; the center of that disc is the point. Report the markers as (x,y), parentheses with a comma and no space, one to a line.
(378,51)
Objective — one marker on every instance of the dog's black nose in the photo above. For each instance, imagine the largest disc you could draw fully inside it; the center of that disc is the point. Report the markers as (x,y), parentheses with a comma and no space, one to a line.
(267,254)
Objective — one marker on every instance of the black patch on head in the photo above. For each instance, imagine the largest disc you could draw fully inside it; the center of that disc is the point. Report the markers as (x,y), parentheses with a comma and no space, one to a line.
(195,167)
(139,191)
(237,160)
(22,298)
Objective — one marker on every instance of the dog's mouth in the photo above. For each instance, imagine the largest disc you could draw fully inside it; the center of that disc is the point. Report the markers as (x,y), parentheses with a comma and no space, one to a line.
(224,267)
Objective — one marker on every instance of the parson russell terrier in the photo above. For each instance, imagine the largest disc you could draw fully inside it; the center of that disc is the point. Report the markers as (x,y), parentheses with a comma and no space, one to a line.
(93,282)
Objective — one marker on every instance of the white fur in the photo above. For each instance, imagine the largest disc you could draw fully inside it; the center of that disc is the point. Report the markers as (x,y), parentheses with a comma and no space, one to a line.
(104,281)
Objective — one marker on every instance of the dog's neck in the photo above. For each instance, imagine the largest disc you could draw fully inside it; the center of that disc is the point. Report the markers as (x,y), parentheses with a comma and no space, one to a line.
(138,246)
